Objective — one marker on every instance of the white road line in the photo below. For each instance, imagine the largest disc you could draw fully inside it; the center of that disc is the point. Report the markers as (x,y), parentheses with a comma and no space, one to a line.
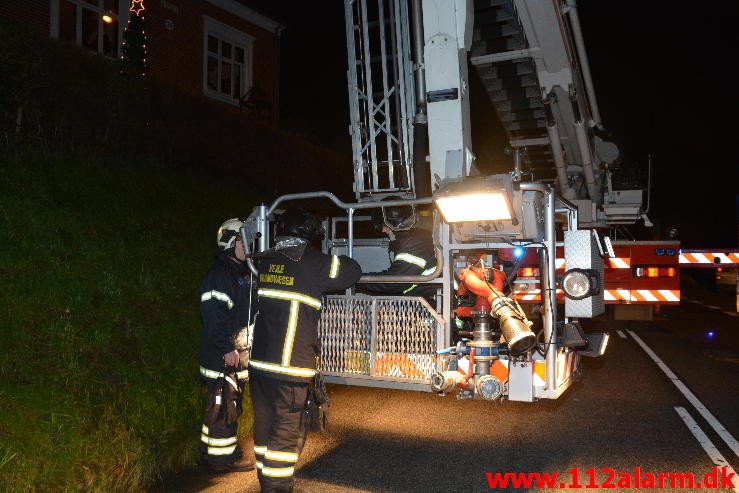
(698,405)
(706,443)
(621,334)
(713,307)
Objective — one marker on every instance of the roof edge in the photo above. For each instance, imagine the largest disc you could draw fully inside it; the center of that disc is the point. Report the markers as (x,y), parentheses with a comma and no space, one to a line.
(248,14)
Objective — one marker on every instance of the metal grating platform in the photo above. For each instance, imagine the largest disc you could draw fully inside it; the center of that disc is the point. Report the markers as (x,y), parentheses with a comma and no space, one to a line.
(391,339)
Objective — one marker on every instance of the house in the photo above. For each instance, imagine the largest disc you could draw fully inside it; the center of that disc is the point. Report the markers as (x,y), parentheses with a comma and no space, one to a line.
(222,49)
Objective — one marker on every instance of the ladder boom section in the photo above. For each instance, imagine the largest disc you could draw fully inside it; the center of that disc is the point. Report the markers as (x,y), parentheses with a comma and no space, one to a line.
(532,60)
(381,96)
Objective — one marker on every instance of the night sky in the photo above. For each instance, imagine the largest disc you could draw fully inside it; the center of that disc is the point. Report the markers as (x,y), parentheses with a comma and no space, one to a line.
(663,77)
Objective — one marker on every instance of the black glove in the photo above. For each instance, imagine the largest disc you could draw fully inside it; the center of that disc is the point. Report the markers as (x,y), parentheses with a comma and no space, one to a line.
(231,408)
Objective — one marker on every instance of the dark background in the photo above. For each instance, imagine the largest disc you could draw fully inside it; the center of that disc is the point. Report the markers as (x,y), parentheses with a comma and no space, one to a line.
(663,78)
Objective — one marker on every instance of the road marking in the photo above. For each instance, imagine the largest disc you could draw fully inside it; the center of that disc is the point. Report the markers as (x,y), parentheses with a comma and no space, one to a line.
(712,307)
(698,405)
(706,443)
(621,334)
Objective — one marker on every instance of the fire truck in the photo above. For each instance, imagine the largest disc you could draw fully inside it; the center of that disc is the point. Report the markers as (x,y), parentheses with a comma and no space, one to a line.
(523,255)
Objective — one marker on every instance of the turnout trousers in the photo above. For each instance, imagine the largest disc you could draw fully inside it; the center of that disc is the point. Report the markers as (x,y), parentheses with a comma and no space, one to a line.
(278,431)
(217,438)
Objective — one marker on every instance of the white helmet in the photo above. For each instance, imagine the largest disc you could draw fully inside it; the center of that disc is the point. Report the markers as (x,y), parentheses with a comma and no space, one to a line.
(228,232)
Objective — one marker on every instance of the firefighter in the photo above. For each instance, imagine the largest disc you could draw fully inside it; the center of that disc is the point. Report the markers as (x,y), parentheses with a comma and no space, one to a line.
(412,248)
(292,277)
(225,306)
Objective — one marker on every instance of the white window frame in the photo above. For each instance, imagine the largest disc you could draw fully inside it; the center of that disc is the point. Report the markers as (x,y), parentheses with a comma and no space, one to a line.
(96,6)
(224,32)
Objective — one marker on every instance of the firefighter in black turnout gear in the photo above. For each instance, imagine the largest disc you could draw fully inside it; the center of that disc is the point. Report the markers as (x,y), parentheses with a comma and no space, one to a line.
(292,277)
(226,295)
(412,252)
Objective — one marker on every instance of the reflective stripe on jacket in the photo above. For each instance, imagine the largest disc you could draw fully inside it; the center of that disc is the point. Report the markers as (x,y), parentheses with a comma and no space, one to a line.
(413,255)
(224,308)
(286,330)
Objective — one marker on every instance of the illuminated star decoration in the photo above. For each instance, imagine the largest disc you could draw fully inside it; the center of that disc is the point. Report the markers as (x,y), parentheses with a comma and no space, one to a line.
(137,6)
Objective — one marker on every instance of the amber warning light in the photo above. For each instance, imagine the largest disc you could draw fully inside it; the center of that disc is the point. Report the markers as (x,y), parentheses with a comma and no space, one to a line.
(655,272)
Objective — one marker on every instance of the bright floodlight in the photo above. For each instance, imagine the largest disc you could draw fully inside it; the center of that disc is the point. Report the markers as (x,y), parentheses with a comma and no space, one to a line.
(475,199)
(474,207)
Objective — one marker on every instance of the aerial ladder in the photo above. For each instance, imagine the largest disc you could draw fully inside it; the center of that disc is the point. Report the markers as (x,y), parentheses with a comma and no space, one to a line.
(409,98)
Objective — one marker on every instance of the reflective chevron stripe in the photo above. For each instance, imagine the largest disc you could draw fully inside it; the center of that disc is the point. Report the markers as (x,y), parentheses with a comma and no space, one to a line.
(613,295)
(709,258)
(642,295)
(619,263)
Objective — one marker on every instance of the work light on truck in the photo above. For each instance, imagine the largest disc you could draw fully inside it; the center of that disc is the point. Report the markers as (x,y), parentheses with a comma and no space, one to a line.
(475,199)
(578,284)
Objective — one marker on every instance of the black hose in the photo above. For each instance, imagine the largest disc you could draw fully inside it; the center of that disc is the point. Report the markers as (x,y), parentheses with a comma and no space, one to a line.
(421,169)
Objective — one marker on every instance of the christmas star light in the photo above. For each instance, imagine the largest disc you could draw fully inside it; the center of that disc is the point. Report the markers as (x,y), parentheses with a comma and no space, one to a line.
(137,6)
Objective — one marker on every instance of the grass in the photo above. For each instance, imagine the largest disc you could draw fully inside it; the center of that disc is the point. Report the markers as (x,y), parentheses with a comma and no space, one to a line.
(100,261)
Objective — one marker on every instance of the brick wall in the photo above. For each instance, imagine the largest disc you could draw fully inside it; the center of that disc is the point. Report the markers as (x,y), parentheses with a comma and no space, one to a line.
(33,12)
(176,56)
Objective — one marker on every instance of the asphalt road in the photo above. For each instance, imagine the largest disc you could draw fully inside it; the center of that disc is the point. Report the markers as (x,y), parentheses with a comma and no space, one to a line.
(671,411)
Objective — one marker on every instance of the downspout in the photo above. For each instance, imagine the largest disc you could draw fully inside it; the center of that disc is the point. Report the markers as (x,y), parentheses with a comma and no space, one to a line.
(276,70)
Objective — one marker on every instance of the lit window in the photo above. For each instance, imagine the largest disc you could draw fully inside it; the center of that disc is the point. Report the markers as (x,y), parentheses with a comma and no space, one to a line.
(227,61)
(92,24)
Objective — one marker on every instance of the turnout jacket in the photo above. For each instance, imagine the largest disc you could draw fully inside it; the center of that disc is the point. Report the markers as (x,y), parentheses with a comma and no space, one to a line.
(290,287)
(224,307)
(413,255)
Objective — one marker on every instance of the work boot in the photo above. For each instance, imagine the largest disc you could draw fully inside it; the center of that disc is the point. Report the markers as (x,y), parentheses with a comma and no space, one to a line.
(238,454)
(244,462)
(229,468)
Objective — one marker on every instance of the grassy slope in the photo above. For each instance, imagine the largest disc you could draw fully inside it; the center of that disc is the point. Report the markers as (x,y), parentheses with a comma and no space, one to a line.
(100,263)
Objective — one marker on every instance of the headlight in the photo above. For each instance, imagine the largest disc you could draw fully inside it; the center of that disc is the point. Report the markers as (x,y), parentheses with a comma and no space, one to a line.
(580,283)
